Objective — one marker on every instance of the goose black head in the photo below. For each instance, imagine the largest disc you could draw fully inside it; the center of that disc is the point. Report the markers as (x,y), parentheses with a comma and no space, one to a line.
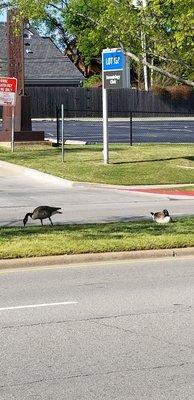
(166,213)
(26,218)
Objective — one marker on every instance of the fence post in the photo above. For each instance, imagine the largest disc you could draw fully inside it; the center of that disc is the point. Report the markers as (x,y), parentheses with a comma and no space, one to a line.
(131,128)
(58,132)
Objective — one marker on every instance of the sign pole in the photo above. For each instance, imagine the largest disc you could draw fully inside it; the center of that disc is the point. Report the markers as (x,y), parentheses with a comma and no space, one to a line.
(114,76)
(62,130)
(105,125)
(12,128)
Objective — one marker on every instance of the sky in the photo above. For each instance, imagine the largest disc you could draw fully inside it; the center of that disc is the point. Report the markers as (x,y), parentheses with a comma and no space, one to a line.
(2,16)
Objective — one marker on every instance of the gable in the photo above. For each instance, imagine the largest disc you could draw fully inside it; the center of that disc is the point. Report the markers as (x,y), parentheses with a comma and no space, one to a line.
(43,60)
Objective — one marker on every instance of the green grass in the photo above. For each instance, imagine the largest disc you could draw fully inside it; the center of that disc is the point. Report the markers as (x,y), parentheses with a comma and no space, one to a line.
(139,164)
(17,242)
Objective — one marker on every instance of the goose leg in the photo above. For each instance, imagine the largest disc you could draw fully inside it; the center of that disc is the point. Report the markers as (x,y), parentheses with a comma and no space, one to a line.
(50,221)
(41,222)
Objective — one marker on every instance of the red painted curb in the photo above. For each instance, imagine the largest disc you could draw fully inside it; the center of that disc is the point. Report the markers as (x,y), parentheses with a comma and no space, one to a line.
(166,191)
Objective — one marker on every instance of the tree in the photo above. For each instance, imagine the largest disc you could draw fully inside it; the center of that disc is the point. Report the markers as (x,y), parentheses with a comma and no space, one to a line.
(91,26)
(167,25)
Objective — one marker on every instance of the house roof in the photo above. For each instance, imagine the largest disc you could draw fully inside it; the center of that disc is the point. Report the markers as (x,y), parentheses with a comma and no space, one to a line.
(43,60)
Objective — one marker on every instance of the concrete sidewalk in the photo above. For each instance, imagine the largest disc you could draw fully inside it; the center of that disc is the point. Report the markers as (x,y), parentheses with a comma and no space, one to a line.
(83,259)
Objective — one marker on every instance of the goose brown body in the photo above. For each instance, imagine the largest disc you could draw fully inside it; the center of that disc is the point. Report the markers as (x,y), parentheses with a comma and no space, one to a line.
(42,212)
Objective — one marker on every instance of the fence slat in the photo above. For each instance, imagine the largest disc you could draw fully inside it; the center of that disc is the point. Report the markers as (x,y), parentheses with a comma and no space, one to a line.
(83,102)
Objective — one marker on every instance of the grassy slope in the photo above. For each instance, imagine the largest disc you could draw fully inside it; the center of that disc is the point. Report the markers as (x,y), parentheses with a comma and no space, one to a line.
(74,239)
(140,164)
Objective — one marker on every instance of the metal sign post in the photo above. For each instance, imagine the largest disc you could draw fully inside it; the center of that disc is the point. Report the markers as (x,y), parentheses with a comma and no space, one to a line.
(105,125)
(114,76)
(62,131)
(12,128)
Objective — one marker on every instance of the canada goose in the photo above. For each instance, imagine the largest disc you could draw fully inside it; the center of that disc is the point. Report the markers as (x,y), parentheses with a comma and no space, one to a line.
(41,213)
(161,217)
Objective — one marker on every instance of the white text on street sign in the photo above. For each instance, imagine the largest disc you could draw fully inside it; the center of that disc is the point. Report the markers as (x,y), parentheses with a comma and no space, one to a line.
(8,89)
(113,60)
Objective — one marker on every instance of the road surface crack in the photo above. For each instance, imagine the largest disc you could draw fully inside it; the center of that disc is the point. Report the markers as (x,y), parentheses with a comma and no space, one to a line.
(96,374)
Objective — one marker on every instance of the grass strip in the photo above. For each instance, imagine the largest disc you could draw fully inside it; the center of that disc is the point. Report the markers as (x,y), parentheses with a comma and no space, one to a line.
(17,242)
(129,165)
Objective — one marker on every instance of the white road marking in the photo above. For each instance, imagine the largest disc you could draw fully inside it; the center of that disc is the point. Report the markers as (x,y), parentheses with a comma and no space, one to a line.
(64,303)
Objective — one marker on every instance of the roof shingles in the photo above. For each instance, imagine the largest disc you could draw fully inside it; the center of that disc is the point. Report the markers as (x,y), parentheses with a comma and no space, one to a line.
(43,60)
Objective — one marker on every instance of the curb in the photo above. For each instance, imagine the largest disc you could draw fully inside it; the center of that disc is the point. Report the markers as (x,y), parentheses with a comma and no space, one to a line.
(69,184)
(68,260)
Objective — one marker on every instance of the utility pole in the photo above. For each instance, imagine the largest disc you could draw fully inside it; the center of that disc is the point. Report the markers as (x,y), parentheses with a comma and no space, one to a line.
(143,43)
(15,68)
(137,4)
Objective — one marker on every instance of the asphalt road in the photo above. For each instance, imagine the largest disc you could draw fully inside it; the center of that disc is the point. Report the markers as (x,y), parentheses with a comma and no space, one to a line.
(21,192)
(144,131)
(109,331)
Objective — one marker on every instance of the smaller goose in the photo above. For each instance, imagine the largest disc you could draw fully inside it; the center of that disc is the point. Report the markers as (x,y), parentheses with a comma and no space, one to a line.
(42,212)
(161,217)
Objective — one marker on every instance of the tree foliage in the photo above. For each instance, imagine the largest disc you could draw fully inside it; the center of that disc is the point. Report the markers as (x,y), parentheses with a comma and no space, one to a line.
(99,24)
(165,26)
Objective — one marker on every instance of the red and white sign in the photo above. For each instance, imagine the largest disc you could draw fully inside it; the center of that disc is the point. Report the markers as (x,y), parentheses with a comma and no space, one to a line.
(8,89)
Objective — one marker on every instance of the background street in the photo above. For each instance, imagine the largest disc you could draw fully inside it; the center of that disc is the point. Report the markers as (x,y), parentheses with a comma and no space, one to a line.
(144,131)
(115,331)
(21,192)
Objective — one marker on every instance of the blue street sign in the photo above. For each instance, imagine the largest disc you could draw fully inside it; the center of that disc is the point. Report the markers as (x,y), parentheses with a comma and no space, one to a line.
(113,60)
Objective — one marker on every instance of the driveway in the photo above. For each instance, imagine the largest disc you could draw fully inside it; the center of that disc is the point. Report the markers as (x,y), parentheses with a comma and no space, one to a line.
(21,190)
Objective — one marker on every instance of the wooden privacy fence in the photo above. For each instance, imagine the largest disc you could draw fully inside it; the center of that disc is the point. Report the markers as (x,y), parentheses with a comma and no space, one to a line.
(83,102)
